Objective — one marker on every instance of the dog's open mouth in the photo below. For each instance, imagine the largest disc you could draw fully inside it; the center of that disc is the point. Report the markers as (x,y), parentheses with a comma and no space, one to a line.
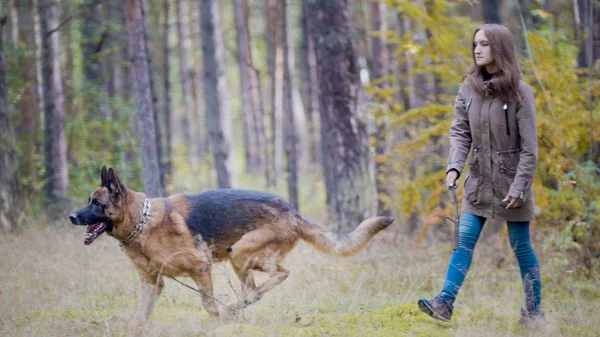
(93,232)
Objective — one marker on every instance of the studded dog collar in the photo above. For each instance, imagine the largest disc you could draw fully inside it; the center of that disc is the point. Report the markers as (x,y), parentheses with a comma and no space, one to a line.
(139,227)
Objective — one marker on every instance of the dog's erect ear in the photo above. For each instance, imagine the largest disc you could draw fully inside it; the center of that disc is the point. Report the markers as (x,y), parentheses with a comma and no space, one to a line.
(114,184)
(104,177)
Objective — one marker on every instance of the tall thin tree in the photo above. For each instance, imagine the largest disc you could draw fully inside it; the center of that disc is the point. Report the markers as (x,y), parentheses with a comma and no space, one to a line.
(251,107)
(291,135)
(68,41)
(587,14)
(492,11)
(38,54)
(185,75)
(13,16)
(168,156)
(113,84)
(9,173)
(55,143)
(143,98)
(275,56)
(353,193)
(200,117)
(215,88)
(413,88)
(380,79)
(92,41)
(310,85)
(29,104)
(155,104)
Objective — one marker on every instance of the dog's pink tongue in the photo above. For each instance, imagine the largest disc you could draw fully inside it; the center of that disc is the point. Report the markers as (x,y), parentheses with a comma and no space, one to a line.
(93,232)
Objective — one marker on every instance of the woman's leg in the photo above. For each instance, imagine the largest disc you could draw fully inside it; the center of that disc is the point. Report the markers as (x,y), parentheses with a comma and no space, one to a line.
(468,234)
(520,241)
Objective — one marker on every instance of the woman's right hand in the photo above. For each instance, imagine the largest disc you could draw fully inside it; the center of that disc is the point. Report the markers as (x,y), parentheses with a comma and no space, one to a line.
(451,177)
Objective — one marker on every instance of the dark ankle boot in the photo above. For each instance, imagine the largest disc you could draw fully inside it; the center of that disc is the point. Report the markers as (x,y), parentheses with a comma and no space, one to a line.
(436,308)
(534,319)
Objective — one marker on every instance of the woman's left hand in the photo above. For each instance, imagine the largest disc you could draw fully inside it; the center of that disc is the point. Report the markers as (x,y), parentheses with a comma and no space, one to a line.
(512,202)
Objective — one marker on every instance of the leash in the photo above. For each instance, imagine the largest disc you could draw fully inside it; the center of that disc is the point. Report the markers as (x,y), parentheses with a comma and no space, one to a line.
(201,292)
(456,219)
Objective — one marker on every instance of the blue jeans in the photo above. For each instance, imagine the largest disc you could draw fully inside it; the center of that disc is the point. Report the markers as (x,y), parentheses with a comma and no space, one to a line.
(518,233)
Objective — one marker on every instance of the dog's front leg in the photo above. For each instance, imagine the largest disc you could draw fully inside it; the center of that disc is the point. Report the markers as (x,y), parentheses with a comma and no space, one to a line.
(150,289)
(203,279)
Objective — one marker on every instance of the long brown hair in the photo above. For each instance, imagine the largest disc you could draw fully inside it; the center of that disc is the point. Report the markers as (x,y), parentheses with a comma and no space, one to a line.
(505,82)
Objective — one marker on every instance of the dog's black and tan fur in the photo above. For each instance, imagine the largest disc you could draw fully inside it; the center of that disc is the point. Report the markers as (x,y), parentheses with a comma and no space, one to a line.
(186,234)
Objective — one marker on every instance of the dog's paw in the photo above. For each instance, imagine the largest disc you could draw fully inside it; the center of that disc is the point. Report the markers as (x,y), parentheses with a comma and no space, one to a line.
(228,312)
(253,298)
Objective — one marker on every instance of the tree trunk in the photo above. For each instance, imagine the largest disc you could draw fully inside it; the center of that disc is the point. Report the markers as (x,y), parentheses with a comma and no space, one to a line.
(199,117)
(127,53)
(299,121)
(589,17)
(136,26)
(127,49)
(68,40)
(92,41)
(422,88)
(406,84)
(13,27)
(250,99)
(168,159)
(492,11)
(266,12)
(353,194)
(310,85)
(292,101)
(183,36)
(38,56)
(257,111)
(404,72)
(55,143)
(9,173)
(291,137)
(155,104)
(415,91)
(379,71)
(29,104)
(217,103)
(276,72)
(435,77)
(589,52)
(114,83)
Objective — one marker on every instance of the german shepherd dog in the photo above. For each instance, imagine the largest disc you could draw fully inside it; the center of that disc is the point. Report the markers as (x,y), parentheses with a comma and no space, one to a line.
(183,235)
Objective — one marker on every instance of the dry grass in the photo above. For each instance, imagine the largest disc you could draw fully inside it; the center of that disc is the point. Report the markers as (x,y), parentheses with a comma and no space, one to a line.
(53,285)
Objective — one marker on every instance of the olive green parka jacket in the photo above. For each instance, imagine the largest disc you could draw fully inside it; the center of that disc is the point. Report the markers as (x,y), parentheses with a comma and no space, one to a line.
(502,138)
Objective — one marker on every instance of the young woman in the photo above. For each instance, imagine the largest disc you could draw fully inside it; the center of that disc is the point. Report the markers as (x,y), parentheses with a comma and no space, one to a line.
(495,117)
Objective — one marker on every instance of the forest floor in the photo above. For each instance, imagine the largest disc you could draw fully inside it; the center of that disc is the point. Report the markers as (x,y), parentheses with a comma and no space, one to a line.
(53,285)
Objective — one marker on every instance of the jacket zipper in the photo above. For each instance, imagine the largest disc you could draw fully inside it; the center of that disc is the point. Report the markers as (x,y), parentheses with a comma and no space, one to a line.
(506,117)
(469,104)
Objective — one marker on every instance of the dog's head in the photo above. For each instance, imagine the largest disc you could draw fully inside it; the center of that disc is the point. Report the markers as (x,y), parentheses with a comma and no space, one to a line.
(104,208)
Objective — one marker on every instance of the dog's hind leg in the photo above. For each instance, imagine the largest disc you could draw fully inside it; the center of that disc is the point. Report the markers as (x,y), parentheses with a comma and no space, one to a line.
(150,290)
(260,250)
(246,278)
(203,280)
(277,274)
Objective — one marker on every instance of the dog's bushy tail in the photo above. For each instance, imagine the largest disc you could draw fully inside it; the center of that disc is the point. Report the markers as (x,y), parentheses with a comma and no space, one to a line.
(342,244)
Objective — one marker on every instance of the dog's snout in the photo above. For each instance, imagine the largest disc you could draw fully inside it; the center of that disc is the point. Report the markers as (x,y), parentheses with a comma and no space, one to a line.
(73,218)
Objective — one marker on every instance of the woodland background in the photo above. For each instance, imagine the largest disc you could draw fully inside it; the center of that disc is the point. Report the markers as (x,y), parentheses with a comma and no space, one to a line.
(342,107)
